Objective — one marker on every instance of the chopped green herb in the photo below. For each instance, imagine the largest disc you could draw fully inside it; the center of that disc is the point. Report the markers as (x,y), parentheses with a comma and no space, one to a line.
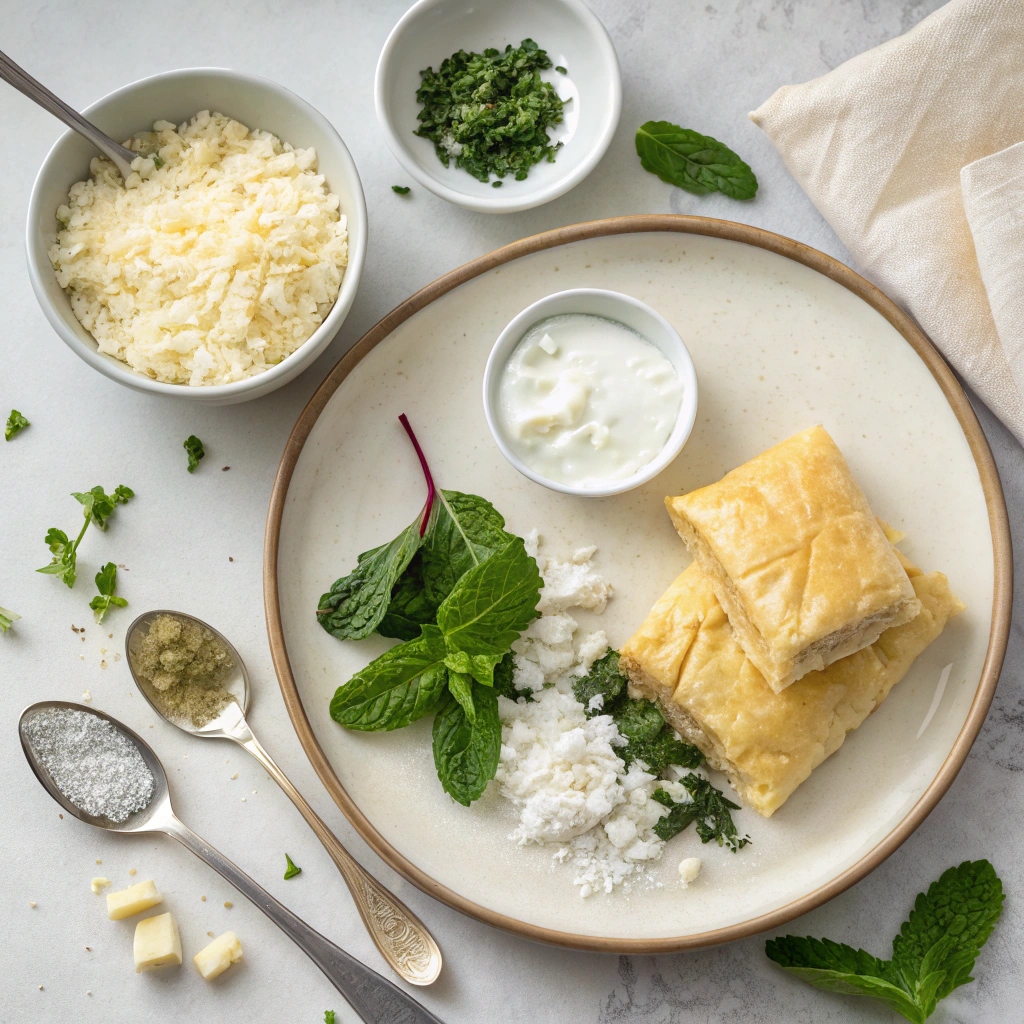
(7,619)
(106,584)
(402,190)
(490,112)
(98,506)
(194,447)
(16,423)
(157,162)
(933,954)
(291,870)
(504,680)
(602,691)
(695,162)
(708,807)
(329,1017)
(495,184)
(561,70)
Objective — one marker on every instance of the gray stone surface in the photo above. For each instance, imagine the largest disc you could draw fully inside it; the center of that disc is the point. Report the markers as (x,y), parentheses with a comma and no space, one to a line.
(196,542)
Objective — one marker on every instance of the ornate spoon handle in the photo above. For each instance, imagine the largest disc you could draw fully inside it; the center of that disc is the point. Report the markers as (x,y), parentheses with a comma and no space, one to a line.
(375,999)
(398,933)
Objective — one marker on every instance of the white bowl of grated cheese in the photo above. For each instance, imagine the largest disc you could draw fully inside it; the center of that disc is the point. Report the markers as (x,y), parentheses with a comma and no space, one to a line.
(303,321)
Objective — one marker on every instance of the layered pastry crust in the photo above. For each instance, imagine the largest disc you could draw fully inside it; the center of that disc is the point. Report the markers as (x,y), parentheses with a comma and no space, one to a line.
(685,656)
(796,558)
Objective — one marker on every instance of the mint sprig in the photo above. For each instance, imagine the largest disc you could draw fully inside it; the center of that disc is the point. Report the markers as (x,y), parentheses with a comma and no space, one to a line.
(695,162)
(933,954)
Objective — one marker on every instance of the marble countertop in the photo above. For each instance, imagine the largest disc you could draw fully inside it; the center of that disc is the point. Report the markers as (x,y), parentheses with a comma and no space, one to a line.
(196,542)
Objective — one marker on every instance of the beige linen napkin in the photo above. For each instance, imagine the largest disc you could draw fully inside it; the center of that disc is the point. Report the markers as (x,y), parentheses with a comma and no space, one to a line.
(879,144)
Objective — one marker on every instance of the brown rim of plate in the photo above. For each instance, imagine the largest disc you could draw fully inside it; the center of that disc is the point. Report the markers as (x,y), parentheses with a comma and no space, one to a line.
(991,486)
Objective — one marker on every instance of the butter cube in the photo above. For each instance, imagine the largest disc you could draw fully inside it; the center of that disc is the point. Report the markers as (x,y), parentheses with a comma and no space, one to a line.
(218,956)
(157,943)
(133,900)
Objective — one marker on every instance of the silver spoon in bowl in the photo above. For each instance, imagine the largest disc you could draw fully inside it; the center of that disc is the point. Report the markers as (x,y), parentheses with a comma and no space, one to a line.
(17,76)
(375,999)
(401,937)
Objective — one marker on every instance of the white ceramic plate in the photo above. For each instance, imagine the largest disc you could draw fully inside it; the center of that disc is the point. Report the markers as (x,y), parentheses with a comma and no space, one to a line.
(781,340)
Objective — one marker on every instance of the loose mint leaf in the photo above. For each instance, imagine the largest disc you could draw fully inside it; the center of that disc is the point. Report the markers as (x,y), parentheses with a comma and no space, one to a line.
(399,687)
(290,871)
(464,531)
(662,752)
(504,680)
(466,753)
(679,816)
(106,583)
(695,162)
(836,967)
(329,1017)
(713,820)
(356,604)
(194,447)
(7,619)
(639,721)
(605,680)
(409,608)
(402,190)
(15,424)
(933,954)
(492,603)
(947,928)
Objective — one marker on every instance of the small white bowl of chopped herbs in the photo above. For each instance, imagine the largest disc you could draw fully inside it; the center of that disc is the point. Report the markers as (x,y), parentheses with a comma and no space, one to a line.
(498,106)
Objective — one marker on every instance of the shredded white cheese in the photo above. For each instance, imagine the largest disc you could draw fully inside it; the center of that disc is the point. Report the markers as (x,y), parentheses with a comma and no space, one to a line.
(559,768)
(218,257)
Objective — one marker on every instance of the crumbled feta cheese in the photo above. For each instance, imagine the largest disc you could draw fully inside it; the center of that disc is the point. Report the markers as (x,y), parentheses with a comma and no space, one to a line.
(689,869)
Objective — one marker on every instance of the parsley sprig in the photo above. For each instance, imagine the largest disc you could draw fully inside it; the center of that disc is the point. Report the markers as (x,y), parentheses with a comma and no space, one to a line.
(97,507)
(490,112)
(933,954)
(106,584)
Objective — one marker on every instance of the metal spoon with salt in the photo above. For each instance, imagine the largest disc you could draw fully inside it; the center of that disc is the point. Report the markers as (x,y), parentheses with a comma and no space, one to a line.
(375,999)
(401,937)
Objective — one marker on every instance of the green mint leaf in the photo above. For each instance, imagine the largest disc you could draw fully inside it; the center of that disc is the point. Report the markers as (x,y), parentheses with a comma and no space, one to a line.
(290,871)
(466,753)
(106,583)
(504,681)
(401,686)
(665,750)
(409,608)
(713,820)
(946,930)
(695,162)
(7,619)
(680,814)
(639,720)
(464,531)
(402,190)
(604,680)
(479,666)
(99,506)
(460,685)
(65,555)
(933,954)
(492,603)
(356,604)
(56,540)
(836,967)
(490,112)
(194,447)
(15,424)
(329,1017)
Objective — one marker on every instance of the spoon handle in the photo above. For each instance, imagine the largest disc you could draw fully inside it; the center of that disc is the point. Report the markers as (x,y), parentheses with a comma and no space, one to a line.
(375,999)
(401,937)
(17,76)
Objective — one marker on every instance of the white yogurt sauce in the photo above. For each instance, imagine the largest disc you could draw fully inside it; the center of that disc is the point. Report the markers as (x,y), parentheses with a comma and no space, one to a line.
(584,400)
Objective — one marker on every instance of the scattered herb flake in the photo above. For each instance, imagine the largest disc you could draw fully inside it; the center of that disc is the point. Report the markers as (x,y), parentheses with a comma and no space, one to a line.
(106,584)
(7,619)
(933,954)
(402,190)
(329,1017)
(695,162)
(292,869)
(490,112)
(708,807)
(194,447)
(561,70)
(16,423)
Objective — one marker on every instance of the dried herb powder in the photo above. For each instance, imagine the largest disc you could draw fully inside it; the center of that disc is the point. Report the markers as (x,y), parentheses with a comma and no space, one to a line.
(490,112)
(186,664)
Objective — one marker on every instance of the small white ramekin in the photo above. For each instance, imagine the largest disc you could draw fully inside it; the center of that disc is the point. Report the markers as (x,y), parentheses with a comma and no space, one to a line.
(432,30)
(612,306)
(177,96)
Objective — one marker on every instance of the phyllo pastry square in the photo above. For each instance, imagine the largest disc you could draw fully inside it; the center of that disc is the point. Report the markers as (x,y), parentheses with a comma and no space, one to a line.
(796,558)
(685,657)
